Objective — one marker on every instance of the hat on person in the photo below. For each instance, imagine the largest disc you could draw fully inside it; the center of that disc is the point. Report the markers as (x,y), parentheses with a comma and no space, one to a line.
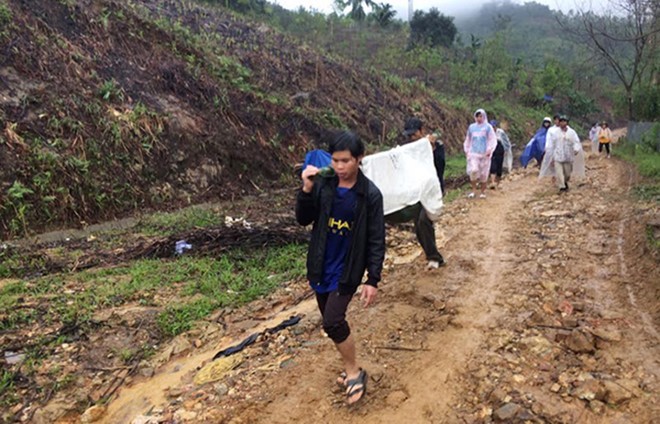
(547,119)
(412,126)
(563,118)
(493,123)
(603,123)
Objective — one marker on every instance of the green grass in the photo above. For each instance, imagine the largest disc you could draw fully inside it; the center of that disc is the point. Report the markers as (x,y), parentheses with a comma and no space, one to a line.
(652,240)
(455,193)
(646,159)
(7,393)
(643,154)
(198,286)
(455,166)
(169,223)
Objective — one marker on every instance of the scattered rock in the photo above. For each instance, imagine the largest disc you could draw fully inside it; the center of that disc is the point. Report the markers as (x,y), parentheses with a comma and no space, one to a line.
(519,378)
(597,407)
(485,412)
(52,412)
(580,342)
(148,372)
(565,307)
(617,392)
(143,419)
(183,415)
(611,315)
(507,412)
(174,392)
(498,395)
(221,389)
(288,363)
(590,390)
(607,334)
(555,388)
(93,414)
(537,344)
(549,286)
(556,213)
(578,306)
(562,335)
(180,344)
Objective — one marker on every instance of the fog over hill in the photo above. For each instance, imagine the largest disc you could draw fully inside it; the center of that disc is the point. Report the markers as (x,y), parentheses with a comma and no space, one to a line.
(457,8)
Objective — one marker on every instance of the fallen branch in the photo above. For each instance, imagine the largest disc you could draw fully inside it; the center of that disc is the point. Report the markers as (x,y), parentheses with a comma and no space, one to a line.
(554,327)
(107,369)
(407,349)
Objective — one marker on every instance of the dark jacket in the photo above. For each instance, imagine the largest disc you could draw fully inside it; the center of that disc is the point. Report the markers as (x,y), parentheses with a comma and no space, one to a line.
(367,250)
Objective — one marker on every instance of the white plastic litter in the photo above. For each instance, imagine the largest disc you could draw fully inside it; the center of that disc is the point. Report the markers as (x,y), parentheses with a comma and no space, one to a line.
(405,176)
(181,246)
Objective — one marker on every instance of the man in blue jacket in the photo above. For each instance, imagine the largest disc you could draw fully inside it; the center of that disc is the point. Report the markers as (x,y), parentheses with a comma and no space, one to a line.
(348,237)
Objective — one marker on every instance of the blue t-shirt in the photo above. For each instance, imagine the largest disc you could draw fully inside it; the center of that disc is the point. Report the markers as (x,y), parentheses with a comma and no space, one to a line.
(338,243)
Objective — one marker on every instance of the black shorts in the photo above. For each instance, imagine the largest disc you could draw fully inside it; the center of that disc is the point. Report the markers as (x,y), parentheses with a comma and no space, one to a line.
(333,309)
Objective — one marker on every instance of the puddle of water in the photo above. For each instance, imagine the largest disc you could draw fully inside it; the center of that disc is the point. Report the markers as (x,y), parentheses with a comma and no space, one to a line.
(143,395)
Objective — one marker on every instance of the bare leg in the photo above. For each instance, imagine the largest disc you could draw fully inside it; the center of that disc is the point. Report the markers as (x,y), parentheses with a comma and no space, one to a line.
(347,351)
(473,183)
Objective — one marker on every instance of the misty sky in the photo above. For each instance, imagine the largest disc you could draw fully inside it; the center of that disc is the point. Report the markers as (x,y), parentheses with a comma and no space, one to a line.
(447,7)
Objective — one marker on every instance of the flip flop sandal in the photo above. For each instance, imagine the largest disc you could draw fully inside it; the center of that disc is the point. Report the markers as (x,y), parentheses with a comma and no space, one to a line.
(351,391)
(341,380)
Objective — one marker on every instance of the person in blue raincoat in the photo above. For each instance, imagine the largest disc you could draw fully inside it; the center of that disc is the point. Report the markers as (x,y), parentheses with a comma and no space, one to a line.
(535,149)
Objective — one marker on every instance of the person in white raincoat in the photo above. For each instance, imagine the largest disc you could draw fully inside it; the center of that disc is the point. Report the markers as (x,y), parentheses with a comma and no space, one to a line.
(503,137)
(480,143)
(564,157)
(593,137)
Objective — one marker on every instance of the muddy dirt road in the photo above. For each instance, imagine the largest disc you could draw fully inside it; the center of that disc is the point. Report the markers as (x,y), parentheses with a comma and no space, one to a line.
(546,312)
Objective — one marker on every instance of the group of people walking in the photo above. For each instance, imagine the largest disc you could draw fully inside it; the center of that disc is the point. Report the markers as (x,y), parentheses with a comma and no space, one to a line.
(346,210)
(601,137)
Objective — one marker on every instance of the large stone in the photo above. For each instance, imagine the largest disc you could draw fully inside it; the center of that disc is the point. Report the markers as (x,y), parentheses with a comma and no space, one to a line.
(507,412)
(580,342)
(607,334)
(180,345)
(53,411)
(617,392)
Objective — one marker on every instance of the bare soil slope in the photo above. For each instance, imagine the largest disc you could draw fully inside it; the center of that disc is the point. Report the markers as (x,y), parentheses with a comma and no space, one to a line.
(109,106)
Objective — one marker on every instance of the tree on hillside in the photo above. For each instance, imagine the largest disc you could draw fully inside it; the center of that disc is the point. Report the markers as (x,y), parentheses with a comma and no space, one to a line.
(432,29)
(382,14)
(626,39)
(357,12)
(244,6)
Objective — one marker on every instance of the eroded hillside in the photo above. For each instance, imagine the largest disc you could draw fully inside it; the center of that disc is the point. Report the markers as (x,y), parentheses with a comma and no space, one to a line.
(110,107)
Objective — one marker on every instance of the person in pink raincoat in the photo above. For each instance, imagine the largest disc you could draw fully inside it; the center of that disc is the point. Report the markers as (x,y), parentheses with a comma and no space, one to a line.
(480,143)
